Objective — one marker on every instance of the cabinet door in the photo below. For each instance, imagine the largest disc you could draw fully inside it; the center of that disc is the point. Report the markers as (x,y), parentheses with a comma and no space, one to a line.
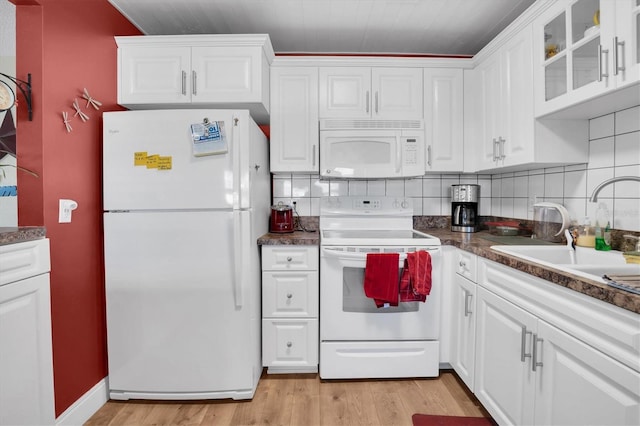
(294,139)
(463,324)
(226,74)
(443,119)
(397,93)
(150,75)
(345,92)
(626,44)
(26,367)
(504,380)
(517,143)
(578,385)
(489,122)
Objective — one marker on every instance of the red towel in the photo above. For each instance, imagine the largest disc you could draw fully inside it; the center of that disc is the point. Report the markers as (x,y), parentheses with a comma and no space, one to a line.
(415,283)
(381,278)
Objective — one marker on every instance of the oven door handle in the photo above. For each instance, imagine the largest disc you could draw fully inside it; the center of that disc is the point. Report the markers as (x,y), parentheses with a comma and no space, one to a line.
(339,254)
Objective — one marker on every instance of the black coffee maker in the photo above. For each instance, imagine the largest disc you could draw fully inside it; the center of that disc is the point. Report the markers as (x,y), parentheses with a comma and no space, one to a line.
(464,207)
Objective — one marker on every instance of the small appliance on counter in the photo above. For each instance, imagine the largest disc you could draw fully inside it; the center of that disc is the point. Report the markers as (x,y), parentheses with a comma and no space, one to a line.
(464,207)
(281,218)
(550,221)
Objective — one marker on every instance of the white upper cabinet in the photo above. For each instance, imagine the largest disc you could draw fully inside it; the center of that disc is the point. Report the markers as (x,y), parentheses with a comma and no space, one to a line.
(294,140)
(218,71)
(443,119)
(363,92)
(507,104)
(584,49)
(502,133)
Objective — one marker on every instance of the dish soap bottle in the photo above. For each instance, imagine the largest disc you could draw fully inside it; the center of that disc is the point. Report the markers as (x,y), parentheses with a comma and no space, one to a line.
(603,233)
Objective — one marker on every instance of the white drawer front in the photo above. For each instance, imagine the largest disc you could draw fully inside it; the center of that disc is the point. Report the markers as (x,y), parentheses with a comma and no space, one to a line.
(23,260)
(289,342)
(289,257)
(290,294)
(466,265)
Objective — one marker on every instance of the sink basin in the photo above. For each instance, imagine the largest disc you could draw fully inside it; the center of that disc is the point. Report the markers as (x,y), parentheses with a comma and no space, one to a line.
(600,270)
(582,261)
(563,255)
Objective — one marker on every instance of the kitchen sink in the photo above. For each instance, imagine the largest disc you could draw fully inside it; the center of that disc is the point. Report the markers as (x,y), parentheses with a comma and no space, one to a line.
(563,255)
(582,261)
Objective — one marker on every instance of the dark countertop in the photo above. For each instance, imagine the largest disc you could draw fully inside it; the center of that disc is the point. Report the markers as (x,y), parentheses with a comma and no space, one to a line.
(297,238)
(19,234)
(474,243)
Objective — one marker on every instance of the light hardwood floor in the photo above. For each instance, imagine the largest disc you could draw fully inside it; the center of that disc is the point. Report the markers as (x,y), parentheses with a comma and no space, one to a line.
(304,399)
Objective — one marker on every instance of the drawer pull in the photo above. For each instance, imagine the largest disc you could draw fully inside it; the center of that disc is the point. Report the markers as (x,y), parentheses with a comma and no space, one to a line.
(289,295)
(289,259)
(289,344)
(462,264)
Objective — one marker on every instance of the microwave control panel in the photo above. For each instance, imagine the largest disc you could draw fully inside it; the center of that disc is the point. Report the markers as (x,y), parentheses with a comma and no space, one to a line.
(410,148)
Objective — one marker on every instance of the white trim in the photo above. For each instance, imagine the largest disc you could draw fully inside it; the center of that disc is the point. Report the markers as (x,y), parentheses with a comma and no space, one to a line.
(85,406)
(372,61)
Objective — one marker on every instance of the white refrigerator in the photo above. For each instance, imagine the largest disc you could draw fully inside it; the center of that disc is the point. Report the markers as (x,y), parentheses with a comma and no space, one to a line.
(186,195)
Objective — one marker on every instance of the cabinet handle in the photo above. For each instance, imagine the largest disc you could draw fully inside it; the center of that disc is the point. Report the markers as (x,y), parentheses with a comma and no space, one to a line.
(523,344)
(462,264)
(194,81)
(601,53)
(313,156)
(467,298)
(495,151)
(376,102)
(534,362)
(289,295)
(616,66)
(289,344)
(429,155)
(367,102)
(184,82)
(501,146)
(289,258)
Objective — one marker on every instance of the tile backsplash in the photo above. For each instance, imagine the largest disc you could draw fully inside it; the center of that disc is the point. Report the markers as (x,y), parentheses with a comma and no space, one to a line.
(614,150)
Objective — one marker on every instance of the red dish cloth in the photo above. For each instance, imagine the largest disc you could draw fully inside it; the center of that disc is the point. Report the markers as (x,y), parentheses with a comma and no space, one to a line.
(381,278)
(415,283)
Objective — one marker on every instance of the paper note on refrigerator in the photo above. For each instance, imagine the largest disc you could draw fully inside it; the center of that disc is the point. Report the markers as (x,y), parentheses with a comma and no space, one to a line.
(208,138)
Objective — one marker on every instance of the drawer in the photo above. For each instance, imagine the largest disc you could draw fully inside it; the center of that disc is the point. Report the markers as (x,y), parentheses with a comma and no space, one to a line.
(290,294)
(289,343)
(288,258)
(466,264)
(23,260)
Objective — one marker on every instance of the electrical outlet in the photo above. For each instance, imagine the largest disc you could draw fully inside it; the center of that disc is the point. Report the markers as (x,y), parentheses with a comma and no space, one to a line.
(65,209)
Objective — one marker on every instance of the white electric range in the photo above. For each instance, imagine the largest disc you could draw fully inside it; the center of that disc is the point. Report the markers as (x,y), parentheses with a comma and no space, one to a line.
(358,339)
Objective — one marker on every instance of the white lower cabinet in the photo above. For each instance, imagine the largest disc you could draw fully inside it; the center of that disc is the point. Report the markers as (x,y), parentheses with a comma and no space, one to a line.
(463,317)
(290,304)
(551,356)
(26,365)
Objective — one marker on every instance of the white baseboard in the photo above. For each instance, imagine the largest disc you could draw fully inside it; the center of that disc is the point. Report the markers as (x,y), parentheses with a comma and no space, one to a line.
(86,406)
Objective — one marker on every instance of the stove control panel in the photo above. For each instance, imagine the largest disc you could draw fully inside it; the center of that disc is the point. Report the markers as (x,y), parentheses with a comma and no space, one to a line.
(367,204)
(359,205)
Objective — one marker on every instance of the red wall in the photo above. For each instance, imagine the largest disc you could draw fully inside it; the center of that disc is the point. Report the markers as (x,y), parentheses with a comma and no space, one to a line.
(68,45)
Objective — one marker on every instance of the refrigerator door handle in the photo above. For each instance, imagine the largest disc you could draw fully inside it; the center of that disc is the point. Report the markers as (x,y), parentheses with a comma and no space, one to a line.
(237,256)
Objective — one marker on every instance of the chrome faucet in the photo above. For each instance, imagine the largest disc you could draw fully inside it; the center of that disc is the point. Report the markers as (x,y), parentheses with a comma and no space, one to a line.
(594,196)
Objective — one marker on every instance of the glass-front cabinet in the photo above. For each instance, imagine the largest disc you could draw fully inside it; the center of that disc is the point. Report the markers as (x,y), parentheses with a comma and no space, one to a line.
(584,48)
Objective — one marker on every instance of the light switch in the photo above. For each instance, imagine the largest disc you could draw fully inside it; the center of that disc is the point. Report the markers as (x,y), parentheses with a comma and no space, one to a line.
(66,207)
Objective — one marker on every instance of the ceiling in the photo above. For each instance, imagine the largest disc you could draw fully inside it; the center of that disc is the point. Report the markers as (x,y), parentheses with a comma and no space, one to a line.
(438,27)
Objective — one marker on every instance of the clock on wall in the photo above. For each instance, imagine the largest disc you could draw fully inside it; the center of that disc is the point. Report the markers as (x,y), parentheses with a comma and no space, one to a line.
(7,96)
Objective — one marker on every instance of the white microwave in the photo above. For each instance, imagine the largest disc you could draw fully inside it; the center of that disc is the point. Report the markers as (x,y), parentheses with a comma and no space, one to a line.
(362,149)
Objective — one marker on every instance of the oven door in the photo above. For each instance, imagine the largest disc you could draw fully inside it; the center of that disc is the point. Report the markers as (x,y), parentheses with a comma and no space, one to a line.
(346,314)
